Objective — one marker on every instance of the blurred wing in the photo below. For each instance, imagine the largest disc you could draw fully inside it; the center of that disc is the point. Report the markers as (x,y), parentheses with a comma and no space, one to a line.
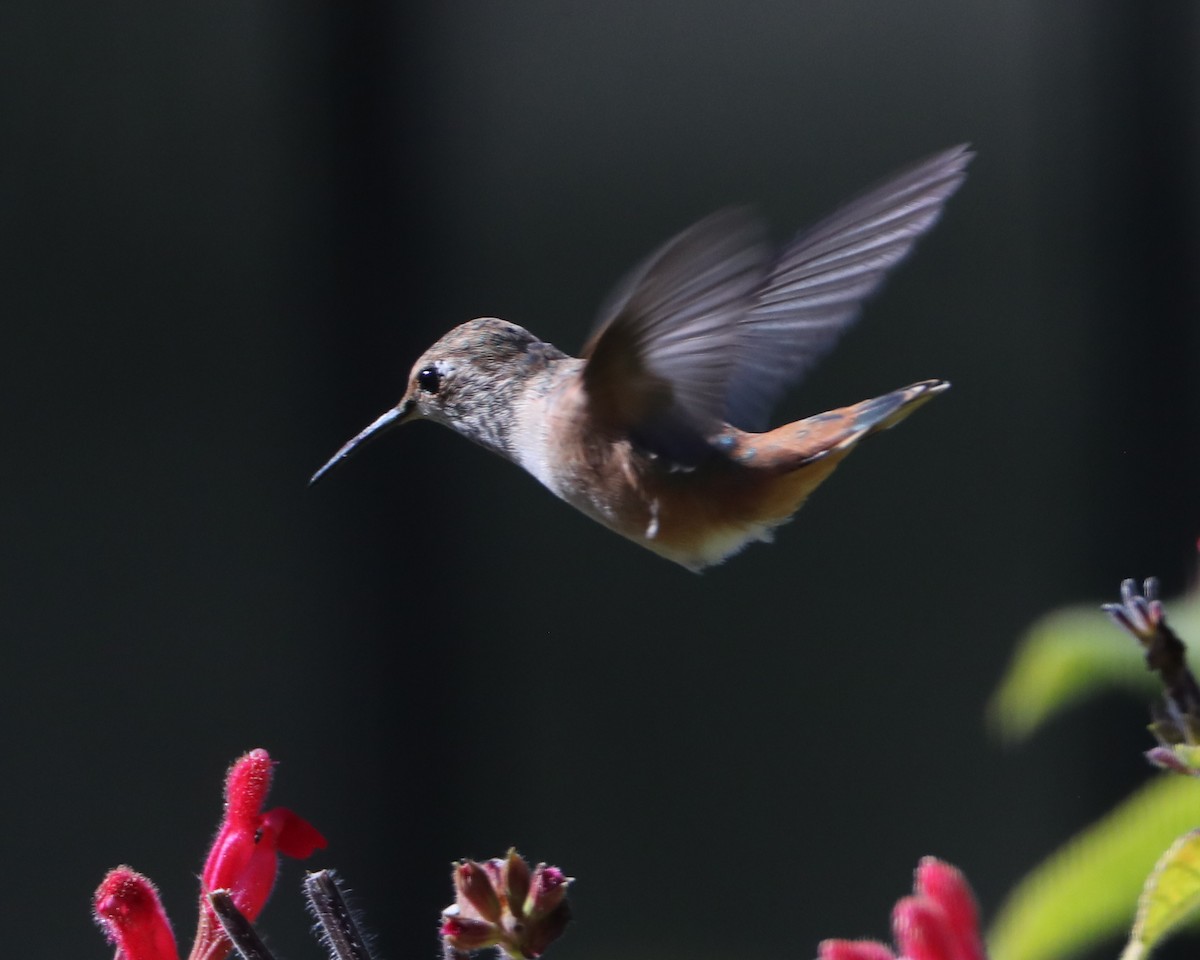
(814,291)
(659,362)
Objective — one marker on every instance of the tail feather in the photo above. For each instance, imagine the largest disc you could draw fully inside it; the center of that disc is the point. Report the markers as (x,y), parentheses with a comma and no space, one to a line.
(883,413)
(835,432)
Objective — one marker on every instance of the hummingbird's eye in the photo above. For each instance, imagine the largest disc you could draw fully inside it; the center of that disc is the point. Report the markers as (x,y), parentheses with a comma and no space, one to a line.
(429,380)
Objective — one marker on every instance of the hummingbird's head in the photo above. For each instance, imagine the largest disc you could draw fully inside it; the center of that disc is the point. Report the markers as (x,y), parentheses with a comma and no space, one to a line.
(468,381)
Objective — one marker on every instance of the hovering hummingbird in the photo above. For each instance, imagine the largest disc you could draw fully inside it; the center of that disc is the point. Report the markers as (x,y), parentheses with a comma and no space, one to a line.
(653,431)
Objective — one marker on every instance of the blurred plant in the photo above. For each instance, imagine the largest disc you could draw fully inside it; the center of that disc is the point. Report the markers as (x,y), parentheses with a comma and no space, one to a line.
(1097,884)
(1065,657)
(939,921)
(243,861)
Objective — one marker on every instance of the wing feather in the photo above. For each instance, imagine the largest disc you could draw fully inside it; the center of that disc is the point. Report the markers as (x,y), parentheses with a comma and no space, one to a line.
(710,328)
(659,362)
(816,288)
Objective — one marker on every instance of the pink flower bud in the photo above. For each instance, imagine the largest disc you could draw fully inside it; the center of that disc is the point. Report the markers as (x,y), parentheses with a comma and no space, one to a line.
(541,932)
(514,881)
(473,882)
(547,888)
(468,933)
(127,908)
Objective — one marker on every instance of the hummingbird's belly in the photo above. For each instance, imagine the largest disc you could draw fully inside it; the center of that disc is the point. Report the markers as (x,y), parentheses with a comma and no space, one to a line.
(696,518)
(707,516)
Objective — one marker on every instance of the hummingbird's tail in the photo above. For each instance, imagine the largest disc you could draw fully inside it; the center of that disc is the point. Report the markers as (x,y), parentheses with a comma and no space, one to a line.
(833,434)
(762,479)
(791,461)
(883,413)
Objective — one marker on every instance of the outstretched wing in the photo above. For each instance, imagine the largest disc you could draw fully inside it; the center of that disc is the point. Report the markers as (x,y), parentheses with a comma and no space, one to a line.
(710,328)
(816,288)
(659,363)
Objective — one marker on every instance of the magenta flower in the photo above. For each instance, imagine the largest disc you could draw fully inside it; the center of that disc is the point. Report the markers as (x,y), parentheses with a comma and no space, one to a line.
(243,860)
(938,922)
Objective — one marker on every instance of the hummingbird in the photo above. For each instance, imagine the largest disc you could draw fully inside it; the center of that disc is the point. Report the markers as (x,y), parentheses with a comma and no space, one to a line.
(658,430)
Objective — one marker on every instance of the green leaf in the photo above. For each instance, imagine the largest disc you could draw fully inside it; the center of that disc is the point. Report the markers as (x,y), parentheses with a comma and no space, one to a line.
(1062,659)
(1088,890)
(1171,894)
(1071,654)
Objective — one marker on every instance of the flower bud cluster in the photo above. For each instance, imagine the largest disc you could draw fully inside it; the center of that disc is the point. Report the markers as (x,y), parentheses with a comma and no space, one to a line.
(505,904)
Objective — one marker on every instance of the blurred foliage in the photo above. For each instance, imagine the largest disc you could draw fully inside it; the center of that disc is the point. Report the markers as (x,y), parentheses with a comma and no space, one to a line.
(1172,893)
(1069,655)
(1088,890)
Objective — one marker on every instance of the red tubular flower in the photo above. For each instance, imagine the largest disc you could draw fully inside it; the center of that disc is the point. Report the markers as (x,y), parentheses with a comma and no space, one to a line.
(244,858)
(938,922)
(245,855)
(129,912)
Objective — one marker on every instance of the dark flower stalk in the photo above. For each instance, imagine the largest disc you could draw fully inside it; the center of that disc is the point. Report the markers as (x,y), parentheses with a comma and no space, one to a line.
(1177,719)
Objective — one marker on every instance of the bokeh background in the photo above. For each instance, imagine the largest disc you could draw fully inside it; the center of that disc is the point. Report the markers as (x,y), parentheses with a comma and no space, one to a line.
(231,226)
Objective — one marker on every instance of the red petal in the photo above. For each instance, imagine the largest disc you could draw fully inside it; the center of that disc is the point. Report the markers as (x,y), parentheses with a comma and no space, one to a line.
(922,930)
(297,837)
(229,858)
(247,785)
(947,887)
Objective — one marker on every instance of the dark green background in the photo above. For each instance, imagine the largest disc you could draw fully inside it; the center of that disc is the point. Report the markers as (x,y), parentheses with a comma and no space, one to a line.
(231,227)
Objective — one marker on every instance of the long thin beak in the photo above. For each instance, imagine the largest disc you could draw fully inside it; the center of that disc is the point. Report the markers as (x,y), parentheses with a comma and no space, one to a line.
(393,416)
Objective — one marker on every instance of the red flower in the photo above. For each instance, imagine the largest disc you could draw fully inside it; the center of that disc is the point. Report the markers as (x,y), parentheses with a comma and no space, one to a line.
(244,857)
(938,922)
(244,860)
(129,911)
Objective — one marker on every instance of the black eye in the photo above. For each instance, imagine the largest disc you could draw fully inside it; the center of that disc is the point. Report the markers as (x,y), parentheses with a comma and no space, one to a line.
(429,380)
